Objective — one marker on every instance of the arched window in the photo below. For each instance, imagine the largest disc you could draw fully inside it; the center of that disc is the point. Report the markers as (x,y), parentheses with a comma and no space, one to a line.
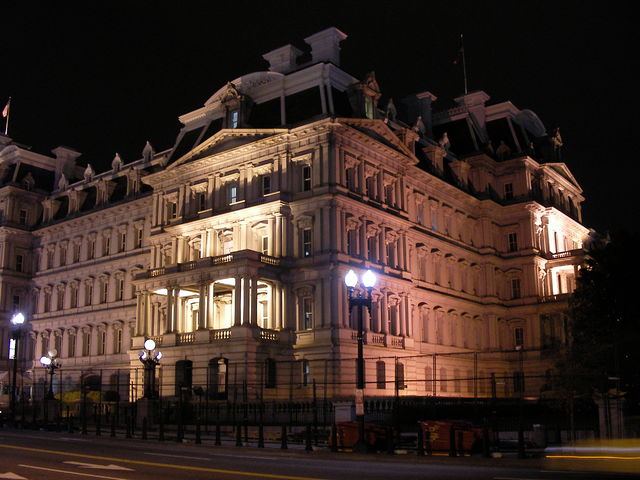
(270,373)
(184,375)
(443,380)
(381,377)
(218,378)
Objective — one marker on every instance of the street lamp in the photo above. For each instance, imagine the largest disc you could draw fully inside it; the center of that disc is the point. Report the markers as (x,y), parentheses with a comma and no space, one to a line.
(150,357)
(51,363)
(17,326)
(368,281)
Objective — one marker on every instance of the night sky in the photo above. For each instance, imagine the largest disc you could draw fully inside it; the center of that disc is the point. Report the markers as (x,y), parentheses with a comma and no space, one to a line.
(106,78)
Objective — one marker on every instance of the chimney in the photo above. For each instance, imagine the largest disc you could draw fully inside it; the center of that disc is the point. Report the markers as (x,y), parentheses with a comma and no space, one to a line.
(436,154)
(420,105)
(325,45)
(65,162)
(283,59)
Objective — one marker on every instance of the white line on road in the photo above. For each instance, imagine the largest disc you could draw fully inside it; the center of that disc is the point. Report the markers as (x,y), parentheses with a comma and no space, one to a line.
(101,467)
(72,473)
(176,456)
(518,478)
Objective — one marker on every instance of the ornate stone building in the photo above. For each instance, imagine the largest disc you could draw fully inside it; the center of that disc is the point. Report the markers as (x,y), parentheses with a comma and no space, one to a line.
(230,248)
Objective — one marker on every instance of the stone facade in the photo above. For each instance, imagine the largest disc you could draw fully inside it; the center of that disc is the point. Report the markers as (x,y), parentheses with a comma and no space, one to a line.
(230,248)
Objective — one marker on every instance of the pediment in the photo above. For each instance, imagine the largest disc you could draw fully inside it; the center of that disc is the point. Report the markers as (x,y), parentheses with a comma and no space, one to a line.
(222,141)
(563,170)
(379,130)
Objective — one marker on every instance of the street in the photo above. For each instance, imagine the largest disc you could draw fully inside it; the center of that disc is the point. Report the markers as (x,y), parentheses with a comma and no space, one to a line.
(56,456)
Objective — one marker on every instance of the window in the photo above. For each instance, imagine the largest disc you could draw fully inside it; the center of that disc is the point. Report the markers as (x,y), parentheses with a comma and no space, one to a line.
(235,118)
(71,352)
(102,342)
(86,343)
(117,341)
(351,182)
(12,349)
(400,385)
(264,247)
(306,372)
(106,244)
(119,288)
(50,258)
(138,238)
(515,288)
(266,185)
(16,303)
(457,384)
(443,379)
(518,336)
(47,301)
(19,263)
(307,313)
(270,371)
(63,256)
(172,210)
(368,107)
(104,293)
(22,219)
(122,241)
(73,296)
(184,376)
(76,252)
(60,300)
(201,201)
(513,242)
(91,249)
(306,242)
(381,375)
(218,378)
(232,192)
(508,191)
(518,382)
(306,178)
(88,293)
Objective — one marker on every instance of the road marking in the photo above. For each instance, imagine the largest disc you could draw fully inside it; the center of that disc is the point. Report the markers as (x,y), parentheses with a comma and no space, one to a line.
(12,476)
(164,465)
(176,456)
(518,478)
(101,467)
(72,473)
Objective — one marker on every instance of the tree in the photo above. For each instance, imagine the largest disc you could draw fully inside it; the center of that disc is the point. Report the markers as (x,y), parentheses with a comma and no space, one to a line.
(604,348)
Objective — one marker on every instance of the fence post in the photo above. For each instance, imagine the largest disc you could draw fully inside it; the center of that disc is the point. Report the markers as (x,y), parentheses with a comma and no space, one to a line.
(452,442)
(308,447)
(420,446)
(198,439)
(238,435)
(218,440)
(260,436)
(390,442)
(485,443)
(283,438)
(127,421)
(334,438)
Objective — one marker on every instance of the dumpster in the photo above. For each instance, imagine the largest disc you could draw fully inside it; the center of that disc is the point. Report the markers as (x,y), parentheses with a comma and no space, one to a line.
(375,436)
(436,436)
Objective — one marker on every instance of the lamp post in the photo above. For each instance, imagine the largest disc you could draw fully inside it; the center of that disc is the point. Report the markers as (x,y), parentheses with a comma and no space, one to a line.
(368,281)
(150,357)
(17,326)
(51,363)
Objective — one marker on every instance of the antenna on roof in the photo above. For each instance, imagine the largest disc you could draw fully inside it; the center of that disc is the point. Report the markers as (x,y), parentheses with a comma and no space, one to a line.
(460,58)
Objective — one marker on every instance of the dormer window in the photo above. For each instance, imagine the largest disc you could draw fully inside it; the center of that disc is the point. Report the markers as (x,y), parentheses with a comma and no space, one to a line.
(306,178)
(23,217)
(508,191)
(266,185)
(232,192)
(234,118)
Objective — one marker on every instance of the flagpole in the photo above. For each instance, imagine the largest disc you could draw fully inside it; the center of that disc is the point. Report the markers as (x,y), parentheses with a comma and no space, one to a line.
(464,64)
(8,110)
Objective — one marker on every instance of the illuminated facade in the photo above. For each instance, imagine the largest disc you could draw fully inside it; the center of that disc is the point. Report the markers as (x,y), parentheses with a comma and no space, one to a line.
(230,248)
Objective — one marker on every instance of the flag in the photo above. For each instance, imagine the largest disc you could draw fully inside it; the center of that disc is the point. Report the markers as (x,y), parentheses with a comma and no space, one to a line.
(460,54)
(5,111)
